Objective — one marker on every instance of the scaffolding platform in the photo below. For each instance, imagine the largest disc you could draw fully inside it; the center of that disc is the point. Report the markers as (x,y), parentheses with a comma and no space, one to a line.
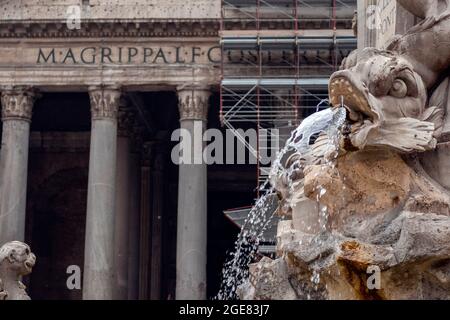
(277,57)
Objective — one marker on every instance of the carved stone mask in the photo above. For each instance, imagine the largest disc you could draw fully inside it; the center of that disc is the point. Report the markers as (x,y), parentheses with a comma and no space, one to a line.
(18,256)
(386,102)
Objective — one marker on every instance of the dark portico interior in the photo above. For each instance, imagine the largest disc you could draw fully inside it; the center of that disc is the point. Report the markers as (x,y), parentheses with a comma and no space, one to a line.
(57,193)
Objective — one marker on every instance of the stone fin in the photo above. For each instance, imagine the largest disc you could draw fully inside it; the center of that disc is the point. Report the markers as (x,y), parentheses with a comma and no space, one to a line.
(439,110)
(405,135)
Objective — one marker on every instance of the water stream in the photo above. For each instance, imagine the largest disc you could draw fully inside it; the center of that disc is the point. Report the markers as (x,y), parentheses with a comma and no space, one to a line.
(325,124)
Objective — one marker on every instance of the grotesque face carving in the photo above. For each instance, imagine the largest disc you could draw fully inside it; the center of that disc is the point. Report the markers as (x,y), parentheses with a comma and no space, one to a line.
(386,102)
(18,257)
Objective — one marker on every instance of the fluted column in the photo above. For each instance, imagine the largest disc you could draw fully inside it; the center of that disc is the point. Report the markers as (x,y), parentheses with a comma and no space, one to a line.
(157,223)
(192,192)
(17,105)
(145,220)
(98,281)
(134,217)
(123,197)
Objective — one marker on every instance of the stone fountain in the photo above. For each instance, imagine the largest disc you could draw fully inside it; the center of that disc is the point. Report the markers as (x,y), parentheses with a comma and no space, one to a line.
(368,215)
(16,260)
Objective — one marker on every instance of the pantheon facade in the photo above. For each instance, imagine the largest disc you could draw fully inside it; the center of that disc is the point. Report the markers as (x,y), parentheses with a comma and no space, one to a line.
(91,92)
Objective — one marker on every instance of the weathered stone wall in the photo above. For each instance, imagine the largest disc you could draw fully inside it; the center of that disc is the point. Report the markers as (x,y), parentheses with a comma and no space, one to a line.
(110,9)
(380,20)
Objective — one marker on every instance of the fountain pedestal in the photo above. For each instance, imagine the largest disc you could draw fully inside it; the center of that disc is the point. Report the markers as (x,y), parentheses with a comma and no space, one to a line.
(387,190)
(306,216)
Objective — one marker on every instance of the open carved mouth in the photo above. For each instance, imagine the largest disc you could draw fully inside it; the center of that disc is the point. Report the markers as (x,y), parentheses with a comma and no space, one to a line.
(354,97)
(29,265)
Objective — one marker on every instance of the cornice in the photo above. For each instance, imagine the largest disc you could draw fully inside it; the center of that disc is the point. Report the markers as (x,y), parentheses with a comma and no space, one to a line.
(106,28)
(143,28)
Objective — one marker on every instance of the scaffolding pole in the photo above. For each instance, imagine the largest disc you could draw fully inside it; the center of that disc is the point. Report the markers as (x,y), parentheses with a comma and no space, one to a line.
(277,56)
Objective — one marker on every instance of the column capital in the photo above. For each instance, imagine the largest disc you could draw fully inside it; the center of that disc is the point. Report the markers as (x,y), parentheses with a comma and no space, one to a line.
(193,102)
(105,102)
(17,103)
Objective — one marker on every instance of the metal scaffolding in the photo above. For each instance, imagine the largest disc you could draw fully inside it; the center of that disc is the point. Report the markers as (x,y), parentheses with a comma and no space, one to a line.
(277,56)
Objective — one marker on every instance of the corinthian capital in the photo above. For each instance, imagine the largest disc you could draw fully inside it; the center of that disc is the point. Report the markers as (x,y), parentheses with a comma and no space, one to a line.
(17,104)
(104,103)
(193,103)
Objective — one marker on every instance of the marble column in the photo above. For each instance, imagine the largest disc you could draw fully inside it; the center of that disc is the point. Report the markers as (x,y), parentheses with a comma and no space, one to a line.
(157,223)
(366,35)
(133,223)
(17,105)
(98,280)
(192,193)
(145,221)
(123,205)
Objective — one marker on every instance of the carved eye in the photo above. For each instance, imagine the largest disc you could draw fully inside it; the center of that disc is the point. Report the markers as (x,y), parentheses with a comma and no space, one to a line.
(27,251)
(399,89)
